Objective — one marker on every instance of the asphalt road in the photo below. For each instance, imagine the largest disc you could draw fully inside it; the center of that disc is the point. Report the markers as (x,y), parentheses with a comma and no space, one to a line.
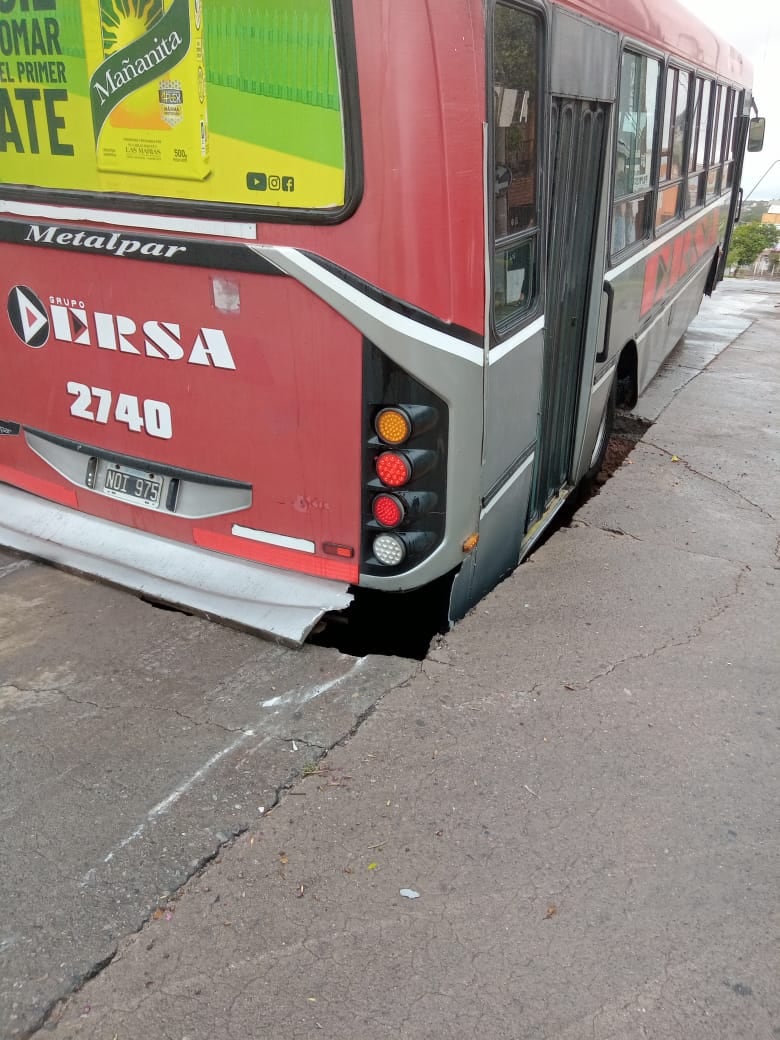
(134,743)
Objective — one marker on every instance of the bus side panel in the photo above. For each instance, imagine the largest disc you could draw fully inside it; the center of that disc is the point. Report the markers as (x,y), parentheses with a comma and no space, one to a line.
(242,379)
(653,304)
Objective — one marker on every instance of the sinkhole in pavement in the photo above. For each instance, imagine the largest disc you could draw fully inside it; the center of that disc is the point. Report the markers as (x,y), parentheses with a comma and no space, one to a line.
(404,625)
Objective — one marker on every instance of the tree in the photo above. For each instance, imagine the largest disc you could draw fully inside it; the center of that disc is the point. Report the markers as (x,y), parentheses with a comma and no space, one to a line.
(749,241)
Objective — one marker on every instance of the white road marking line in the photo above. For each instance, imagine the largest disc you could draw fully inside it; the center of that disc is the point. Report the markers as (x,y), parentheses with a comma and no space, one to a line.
(303,695)
(174,796)
(297,695)
(16,566)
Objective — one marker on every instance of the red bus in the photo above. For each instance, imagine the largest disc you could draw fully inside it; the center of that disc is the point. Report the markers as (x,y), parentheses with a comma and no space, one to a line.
(314,296)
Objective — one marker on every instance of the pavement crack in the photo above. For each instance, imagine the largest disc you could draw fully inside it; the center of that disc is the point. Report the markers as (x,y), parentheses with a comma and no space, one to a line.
(618,531)
(713,480)
(205,722)
(300,742)
(719,610)
(9,689)
(82,702)
(45,691)
(51,1015)
(53,1011)
(698,553)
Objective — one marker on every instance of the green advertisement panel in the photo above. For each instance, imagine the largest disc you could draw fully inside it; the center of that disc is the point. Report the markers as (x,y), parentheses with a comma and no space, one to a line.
(226,101)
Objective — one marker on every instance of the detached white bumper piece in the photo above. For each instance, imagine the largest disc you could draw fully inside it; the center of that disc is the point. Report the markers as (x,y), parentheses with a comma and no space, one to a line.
(279,604)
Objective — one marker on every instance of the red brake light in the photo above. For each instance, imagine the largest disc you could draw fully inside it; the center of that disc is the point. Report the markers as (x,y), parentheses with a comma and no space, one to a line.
(388,510)
(393,469)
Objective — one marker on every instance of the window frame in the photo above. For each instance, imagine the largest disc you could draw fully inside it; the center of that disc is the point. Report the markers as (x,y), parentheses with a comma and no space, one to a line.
(501,246)
(729,137)
(700,144)
(715,163)
(616,256)
(678,181)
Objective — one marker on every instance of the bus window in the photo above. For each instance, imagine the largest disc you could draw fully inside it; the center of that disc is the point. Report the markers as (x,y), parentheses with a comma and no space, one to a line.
(728,140)
(516,156)
(513,279)
(698,155)
(633,190)
(673,133)
(667,130)
(701,158)
(714,177)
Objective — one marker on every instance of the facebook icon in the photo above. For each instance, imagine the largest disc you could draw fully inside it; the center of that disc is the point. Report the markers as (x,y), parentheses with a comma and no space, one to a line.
(288,184)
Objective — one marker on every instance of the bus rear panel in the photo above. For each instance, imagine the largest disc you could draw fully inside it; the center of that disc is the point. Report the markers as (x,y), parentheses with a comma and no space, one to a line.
(278,284)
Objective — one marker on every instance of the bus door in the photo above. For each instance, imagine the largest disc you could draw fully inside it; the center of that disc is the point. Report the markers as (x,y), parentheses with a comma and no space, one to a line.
(578,133)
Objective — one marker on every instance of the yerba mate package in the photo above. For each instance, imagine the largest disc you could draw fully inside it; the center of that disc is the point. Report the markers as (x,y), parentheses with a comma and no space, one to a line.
(147,86)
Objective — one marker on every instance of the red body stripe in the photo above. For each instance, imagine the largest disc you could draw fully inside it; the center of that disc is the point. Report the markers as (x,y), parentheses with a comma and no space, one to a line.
(274,556)
(64,495)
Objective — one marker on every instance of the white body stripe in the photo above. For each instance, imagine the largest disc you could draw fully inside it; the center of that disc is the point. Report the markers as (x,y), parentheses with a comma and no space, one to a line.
(282,540)
(517,340)
(607,374)
(508,485)
(154,222)
(332,289)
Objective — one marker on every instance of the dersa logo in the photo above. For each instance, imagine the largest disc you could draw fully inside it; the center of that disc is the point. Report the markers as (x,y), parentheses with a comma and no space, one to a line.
(70,321)
(28,316)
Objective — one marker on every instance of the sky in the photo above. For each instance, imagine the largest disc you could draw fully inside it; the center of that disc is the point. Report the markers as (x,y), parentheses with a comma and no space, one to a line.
(753,27)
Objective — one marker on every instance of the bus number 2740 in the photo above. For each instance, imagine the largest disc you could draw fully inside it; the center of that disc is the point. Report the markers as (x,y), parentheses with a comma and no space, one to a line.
(98,405)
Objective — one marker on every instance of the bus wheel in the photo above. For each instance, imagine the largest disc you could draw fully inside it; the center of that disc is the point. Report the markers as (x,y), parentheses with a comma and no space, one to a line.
(605,432)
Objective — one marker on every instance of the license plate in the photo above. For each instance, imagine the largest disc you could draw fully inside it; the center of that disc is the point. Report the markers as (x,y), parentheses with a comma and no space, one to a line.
(132,485)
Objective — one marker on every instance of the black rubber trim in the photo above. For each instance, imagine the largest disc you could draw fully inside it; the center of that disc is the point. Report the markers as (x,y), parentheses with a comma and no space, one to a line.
(353,173)
(144,464)
(603,352)
(190,252)
(393,303)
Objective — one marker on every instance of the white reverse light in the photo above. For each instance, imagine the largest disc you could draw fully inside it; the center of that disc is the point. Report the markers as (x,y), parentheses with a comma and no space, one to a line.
(389,549)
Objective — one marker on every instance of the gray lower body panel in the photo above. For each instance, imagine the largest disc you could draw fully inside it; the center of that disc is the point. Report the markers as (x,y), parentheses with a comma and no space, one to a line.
(280,604)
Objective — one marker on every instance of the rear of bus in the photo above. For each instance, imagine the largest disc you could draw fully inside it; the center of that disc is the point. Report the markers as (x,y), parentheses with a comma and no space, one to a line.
(238,371)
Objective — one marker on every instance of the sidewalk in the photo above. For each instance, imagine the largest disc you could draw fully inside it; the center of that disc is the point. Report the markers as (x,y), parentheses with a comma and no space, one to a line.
(581,784)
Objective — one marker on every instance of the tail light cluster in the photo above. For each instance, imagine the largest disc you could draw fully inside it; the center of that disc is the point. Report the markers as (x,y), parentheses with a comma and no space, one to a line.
(404,468)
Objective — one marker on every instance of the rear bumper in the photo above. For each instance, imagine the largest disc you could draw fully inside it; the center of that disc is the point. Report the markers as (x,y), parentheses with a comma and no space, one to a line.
(279,604)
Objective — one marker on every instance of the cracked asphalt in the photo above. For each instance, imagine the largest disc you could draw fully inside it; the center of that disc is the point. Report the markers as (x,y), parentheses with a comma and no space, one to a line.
(580,783)
(136,742)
